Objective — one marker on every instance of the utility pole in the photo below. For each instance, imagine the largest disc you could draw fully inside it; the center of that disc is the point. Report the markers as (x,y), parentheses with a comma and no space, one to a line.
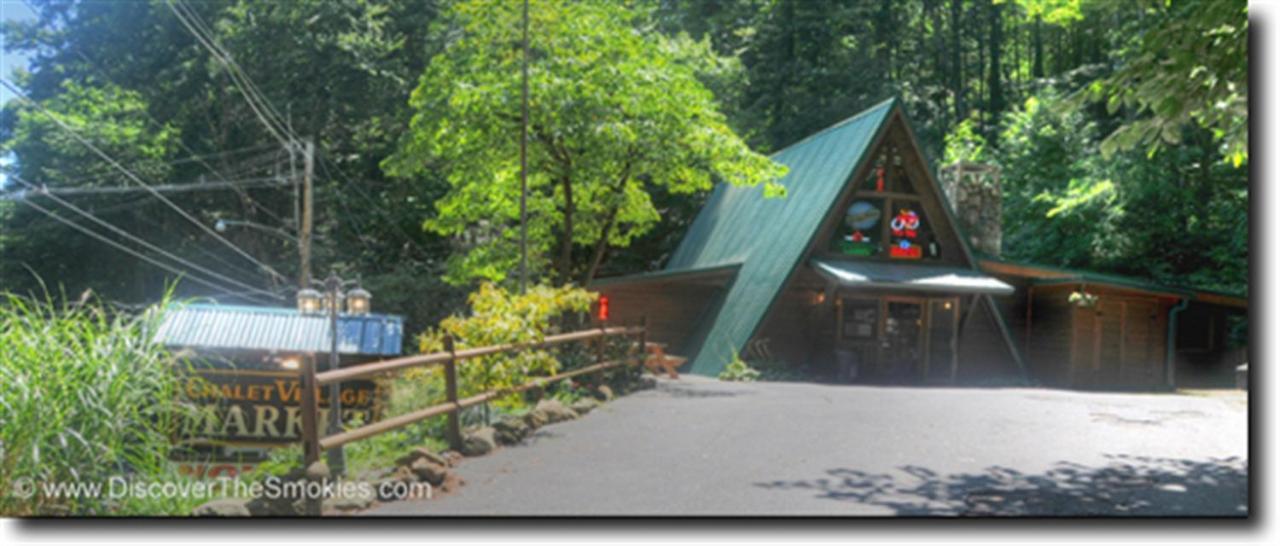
(524,157)
(304,225)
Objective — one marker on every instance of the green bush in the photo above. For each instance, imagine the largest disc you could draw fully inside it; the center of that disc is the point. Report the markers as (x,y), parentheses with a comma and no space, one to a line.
(739,370)
(87,397)
(497,317)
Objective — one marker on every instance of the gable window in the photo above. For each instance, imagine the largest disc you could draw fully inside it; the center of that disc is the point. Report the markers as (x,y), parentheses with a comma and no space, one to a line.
(885,218)
(859,231)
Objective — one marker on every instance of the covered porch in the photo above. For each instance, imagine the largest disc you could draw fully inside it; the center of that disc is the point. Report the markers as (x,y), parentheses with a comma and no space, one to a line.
(901,323)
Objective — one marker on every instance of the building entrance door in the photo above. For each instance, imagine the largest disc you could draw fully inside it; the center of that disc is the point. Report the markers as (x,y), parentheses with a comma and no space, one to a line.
(897,339)
(901,345)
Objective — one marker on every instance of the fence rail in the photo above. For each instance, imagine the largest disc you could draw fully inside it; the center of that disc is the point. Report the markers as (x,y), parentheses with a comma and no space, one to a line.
(314,443)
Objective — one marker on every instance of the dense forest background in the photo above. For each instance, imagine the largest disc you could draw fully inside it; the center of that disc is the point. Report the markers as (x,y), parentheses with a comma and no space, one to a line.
(1121,129)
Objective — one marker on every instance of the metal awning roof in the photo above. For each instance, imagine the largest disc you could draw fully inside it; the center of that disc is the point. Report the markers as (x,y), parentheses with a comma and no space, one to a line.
(915,277)
(276,329)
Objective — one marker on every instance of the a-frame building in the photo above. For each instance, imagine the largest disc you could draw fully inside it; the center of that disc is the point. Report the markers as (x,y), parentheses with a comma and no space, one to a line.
(861,273)
(860,267)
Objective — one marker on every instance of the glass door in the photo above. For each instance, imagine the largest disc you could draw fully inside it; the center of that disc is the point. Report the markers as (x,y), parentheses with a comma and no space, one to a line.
(942,322)
(900,347)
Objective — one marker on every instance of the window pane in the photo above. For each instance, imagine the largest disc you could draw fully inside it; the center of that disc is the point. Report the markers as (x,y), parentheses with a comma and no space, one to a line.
(859,231)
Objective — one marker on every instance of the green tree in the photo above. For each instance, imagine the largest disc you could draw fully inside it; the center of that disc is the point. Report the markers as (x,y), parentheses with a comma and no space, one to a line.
(1190,70)
(1057,195)
(338,72)
(615,113)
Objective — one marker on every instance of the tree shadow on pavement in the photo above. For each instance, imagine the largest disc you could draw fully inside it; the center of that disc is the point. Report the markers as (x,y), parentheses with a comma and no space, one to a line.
(1126,486)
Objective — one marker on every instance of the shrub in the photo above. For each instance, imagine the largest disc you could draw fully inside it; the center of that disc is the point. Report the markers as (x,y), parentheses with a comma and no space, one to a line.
(739,370)
(87,397)
(498,316)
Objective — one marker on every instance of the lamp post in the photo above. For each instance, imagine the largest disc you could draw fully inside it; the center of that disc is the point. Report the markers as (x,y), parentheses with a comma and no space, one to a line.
(331,301)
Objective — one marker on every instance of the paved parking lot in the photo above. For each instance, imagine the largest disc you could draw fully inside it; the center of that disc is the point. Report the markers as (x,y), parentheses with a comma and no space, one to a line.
(702,447)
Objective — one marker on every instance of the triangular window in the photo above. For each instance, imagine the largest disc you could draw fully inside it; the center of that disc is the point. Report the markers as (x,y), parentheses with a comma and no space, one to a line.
(885,217)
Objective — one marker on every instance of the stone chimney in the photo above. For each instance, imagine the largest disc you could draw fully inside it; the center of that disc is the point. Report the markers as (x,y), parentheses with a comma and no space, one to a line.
(973,189)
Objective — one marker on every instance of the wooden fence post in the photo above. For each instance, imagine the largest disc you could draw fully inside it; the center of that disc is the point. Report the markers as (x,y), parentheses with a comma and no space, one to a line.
(310,412)
(644,338)
(598,377)
(310,425)
(451,392)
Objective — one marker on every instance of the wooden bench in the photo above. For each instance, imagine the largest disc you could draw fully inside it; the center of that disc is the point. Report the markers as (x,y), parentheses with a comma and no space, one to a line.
(658,361)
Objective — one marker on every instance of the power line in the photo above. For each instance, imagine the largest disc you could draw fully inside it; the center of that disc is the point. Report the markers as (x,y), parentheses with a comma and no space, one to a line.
(147,244)
(18,92)
(37,225)
(373,204)
(250,165)
(171,188)
(195,24)
(274,113)
(233,71)
(194,157)
(241,80)
(126,249)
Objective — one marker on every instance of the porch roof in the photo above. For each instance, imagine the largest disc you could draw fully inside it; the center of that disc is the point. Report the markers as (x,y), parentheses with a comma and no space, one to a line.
(914,277)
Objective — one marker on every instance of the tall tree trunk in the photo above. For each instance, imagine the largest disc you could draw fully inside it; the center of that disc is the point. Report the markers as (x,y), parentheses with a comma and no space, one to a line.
(938,43)
(566,238)
(957,59)
(980,74)
(778,128)
(1037,51)
(884,39)
(602,244)
(995,86)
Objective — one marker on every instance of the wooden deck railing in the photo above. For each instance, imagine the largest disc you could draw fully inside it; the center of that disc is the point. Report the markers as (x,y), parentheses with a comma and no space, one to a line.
(311,381)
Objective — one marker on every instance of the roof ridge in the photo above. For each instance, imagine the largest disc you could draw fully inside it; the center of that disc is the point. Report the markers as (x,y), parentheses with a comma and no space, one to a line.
(890,101)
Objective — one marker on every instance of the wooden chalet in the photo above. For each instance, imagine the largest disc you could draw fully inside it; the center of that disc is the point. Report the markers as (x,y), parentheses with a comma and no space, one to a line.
(863,274)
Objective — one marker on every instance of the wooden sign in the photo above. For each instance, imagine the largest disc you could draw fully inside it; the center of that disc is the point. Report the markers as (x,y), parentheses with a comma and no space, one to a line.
(261,408)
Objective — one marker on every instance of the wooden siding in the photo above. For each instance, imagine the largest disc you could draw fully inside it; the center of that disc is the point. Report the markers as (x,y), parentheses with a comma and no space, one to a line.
(1120,343)
(1051,337)
(1204,356)
(983,355)
(675,310)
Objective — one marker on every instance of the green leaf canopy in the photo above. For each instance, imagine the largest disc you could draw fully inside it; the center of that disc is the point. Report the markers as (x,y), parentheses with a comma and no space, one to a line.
(614,113)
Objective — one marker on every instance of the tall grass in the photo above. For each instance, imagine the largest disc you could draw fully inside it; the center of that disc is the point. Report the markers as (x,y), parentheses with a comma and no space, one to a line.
(86,395)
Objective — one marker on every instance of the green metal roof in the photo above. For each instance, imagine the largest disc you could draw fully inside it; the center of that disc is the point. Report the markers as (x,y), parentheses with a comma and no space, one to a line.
(1080,275)
(666,275)
(769,236)
(916,277)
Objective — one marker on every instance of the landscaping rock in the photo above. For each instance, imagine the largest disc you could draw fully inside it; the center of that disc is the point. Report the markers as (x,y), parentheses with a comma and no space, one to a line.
(536,419)
(222,508)
(318,471)
(421,453)
(584,406)
(429,472)
(511,430)
(387,486)
(479,442)
(554,411)
(359,499)
(453,457)
(604,392)
(375,474)
(280,506)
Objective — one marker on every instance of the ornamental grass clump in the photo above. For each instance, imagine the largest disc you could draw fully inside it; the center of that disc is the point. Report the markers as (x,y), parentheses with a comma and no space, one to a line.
(89,400)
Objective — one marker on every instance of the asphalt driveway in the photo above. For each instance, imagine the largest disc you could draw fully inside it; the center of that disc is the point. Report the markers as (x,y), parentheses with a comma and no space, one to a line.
(698,446)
